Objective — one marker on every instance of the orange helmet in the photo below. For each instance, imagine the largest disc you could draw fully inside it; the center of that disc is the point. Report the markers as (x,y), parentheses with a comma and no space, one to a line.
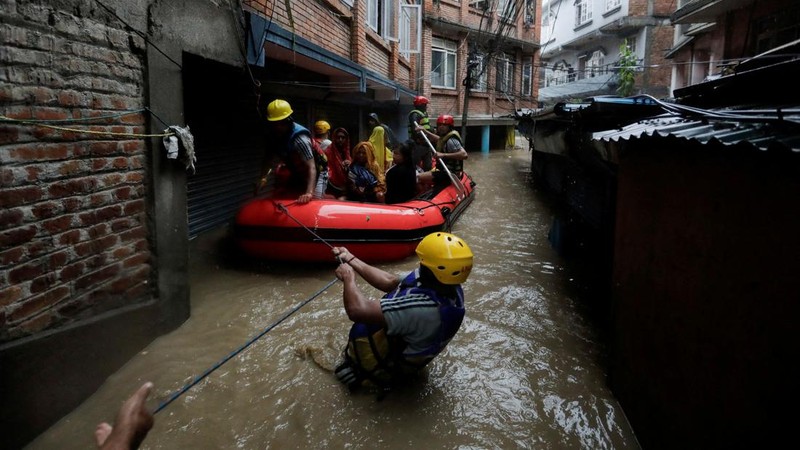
(445,119)
(420,100)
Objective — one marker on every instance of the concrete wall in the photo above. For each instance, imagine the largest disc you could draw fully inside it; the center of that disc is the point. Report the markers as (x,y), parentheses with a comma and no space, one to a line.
(705,294)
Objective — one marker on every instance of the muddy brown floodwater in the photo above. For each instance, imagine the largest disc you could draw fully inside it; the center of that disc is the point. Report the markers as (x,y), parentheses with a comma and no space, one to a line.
(525,370)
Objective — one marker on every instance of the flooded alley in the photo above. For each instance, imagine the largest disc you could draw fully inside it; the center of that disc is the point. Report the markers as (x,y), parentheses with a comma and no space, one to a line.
(526,370)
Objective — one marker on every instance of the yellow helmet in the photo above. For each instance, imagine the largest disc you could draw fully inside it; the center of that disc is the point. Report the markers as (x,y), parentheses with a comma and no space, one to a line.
(278,110)
(447,256)
(321,127)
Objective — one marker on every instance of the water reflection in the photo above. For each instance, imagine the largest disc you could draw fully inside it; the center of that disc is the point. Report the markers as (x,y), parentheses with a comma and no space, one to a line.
(525,370)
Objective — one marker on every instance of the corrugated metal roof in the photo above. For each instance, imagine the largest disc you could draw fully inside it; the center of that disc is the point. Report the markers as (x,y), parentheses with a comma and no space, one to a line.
(763,135)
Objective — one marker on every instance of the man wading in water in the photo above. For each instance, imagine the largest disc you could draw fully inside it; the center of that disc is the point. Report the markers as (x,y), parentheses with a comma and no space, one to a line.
(399,334)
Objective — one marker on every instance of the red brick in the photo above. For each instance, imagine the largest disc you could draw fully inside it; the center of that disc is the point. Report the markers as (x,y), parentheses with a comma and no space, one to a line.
(69,168)
(122,224)
(132,234)
(71,99)
(109,212)
(11,256)
(136,260)
(17,236)
(99,230)
(8,134)
(50,114)
(39,152)
(39,247)
(142,245)
(71,272)
(10,295)
(27,272)
(84,249)
(7,177)
(43,283)
(70,237)
(72,204)
(68,188)
(134,177)
(97,277)
(130,147)
(59,258)
(122,253)
(35,324)
(99,199)
(45,210)
(120,163)
(96,261)
(11,218)
(123,193)
(58,225)
(103,148)
(133,119)
(134,207)
(12,197)
(111,179)
(35,305)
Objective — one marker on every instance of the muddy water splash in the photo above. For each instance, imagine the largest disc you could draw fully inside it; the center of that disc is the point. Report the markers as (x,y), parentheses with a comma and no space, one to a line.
(525,370)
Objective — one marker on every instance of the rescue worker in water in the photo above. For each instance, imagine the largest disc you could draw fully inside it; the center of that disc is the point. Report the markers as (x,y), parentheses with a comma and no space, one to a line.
(413,322)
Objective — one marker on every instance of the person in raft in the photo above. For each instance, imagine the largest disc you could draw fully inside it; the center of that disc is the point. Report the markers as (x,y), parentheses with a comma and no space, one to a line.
(419,314)
(299,153)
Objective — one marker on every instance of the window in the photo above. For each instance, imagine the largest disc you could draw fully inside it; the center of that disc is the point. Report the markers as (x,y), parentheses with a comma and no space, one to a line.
(443,63)
(530,12)
(381,15)
(611,4)
(348,3)
(507,9)
(583,12)
(562,73)
(482,5)
(479,72)
(505,74)
(631,41)
(372,14)
(594,66)
(527,76)
(410,29)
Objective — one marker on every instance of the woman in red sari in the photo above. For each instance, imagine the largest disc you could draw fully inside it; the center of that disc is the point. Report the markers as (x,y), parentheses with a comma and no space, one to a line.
(339,160)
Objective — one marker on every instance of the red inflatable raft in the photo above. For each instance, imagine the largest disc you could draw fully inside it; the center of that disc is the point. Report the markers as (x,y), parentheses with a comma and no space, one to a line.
(275,228)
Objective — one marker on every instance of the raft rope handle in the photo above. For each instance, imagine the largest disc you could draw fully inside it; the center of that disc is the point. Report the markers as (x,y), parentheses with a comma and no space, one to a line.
(216,366)
(286,211)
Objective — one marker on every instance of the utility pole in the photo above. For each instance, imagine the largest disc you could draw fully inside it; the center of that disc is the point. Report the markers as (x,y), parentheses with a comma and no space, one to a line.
(472,62)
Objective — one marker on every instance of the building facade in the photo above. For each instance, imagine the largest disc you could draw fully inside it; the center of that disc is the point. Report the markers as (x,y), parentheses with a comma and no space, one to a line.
(583,40)
(712,37)
(482,58)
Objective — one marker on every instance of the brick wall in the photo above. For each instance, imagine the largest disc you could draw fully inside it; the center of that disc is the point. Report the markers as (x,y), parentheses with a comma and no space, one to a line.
(73,236)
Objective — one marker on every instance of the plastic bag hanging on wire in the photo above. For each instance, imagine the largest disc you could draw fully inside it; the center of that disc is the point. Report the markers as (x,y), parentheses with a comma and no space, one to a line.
(180,137)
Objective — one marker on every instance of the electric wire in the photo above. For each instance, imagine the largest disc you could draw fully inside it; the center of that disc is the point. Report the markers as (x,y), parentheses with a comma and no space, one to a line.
(141,34)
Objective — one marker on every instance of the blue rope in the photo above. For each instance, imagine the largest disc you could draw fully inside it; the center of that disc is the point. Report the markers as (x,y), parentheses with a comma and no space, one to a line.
(216,366)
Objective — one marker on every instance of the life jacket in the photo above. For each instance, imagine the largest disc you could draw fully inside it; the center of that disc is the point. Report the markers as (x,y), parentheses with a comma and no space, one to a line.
(379,358)
(456,166)
(425,122)
(320,160)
